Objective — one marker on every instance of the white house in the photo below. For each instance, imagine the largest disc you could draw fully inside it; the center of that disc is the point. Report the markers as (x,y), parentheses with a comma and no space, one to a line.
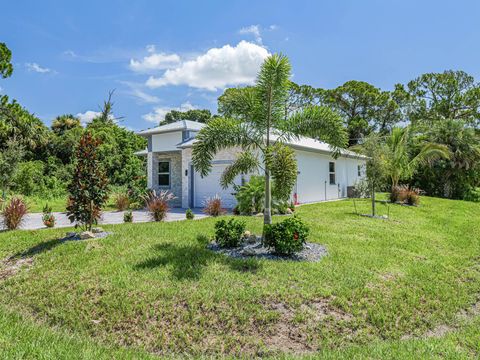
(169,166)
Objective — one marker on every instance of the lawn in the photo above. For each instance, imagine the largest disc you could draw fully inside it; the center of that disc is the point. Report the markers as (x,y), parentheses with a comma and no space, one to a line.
(408,287)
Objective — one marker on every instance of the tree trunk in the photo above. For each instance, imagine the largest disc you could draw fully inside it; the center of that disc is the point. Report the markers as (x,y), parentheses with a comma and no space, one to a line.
(267,213)
(373,199)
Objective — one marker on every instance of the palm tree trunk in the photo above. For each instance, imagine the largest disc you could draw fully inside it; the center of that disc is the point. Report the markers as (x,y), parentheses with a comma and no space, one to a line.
(374,210)
(267,213)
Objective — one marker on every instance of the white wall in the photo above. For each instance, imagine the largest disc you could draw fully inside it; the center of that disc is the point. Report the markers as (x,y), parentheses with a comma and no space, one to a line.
(313,183)
(166,141)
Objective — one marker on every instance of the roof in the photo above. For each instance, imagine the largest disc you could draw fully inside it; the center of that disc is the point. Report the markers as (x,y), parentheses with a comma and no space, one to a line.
(180,125)
(302,143)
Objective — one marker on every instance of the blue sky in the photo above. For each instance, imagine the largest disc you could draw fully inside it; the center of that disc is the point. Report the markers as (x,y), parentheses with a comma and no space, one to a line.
(160,55)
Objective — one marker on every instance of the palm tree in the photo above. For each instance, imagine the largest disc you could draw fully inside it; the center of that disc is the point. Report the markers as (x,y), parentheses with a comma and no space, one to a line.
(399,165)
(258,125)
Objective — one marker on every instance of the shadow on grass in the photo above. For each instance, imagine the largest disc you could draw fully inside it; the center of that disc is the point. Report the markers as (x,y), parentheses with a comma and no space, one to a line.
(39,248)
(189,261)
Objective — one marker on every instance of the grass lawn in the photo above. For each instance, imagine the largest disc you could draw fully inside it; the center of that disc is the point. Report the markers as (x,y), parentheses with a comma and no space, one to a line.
(58,204)
(408,287)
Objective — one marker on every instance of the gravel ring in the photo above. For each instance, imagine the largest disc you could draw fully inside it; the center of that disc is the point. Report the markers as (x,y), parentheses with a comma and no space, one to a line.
(311,252)
(99,235)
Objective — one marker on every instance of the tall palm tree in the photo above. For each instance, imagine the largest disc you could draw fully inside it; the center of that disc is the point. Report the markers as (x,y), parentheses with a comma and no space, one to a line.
(258,125)
(399,164)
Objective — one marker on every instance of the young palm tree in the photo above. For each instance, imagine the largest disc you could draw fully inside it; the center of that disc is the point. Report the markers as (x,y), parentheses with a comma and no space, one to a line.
(399,164)
(259,126)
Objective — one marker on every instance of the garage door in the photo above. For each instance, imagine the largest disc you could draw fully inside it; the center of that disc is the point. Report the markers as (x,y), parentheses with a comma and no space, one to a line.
(209,186)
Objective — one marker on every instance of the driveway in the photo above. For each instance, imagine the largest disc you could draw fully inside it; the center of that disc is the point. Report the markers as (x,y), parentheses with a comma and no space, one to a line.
(34,221)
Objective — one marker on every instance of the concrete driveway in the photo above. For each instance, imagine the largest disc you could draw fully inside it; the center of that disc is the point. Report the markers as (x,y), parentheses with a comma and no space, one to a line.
(34,221)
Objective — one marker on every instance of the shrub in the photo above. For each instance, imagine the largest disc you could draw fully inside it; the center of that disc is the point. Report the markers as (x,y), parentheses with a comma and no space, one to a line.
(286,237)
(189,214)
(213,206)
(158,204)
(250,196)
(405,195)
(88,190)
(122,202)
(48,218)
(14,212)
(412,196)
(203,239)
(128,217)
(472,194)
(229,233)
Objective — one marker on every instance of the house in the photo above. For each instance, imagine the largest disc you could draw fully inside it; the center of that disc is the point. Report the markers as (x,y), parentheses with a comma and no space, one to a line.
(169,153)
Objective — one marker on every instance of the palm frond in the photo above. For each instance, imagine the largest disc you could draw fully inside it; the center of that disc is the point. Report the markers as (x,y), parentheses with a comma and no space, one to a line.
(429,153)
(246,162)
(318,122)
(218,134)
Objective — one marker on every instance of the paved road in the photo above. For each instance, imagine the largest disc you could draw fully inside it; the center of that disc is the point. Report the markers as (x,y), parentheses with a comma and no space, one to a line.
(34,221)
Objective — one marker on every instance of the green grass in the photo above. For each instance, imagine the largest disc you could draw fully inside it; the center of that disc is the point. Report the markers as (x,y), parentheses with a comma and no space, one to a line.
(58,204)
(152,289)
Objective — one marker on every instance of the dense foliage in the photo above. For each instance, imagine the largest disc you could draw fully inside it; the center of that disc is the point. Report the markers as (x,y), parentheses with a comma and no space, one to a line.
(286,237)
(88,190)
(229,233)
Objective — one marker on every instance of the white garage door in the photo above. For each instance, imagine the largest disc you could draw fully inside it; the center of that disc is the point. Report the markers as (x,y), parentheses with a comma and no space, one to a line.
(209,186)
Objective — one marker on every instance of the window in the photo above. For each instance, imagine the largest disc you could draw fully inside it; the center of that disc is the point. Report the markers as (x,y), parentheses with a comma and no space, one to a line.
(359,170)
(164,173)
(331,170)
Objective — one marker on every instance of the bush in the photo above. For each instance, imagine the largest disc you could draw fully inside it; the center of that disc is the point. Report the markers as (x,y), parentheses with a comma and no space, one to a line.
(128,217)
(213,206)
(250,196)
(229,233)
(412,197)
(158,204)
(405,195)
(122,202)
(14,212)
(286,237)
(48,218)
(189,214)
(472,194)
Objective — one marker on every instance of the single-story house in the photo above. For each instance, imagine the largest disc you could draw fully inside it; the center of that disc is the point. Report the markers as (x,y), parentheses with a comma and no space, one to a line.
(169,166)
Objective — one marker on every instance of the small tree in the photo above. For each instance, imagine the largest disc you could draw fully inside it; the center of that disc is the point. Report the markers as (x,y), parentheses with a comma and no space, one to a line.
(89,186)
(10,157)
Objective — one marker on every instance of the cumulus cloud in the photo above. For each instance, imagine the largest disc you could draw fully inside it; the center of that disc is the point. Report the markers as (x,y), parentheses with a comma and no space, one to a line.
(158,113)
(217,68)
(37,68)
(254,30)
(154,61)
(88,116)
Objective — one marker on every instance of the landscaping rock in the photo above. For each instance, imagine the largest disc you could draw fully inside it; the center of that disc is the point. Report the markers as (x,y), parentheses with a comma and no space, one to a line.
(259,214)
(87,235)
(311,252)
(97,230)
(289,211)
(252,239)
(70,234)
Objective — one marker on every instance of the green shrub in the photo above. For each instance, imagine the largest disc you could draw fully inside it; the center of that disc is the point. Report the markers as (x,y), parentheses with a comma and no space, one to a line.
(472,194)
(128,217)
(250,196)
(189,214)
(229,233)
(286,237)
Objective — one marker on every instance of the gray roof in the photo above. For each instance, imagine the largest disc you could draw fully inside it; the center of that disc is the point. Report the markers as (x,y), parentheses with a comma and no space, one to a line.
(176,126)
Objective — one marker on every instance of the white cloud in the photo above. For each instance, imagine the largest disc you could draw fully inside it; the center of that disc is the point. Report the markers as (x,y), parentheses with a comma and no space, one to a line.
(154,62)
(1,89)
(217,68)
(88,116)
(254,30)
(37,68)
(273,27)
(136,90)
(144,97)
(158,113)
